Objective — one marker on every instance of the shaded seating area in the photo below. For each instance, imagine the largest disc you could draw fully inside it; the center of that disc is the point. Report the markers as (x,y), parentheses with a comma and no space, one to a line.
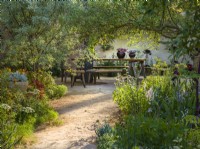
(89,73)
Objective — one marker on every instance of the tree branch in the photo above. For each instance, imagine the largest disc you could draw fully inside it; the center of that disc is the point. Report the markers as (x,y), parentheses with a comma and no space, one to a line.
(13,16)
(172,18)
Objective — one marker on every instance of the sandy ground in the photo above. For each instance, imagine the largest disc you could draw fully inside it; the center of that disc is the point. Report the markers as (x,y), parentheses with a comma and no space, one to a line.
(81,109)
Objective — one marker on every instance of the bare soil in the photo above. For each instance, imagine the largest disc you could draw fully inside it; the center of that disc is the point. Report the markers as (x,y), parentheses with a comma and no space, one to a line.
(81,109)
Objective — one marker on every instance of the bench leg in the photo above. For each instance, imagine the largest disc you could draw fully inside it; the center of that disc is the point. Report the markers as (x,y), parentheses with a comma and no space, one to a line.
(65,75)
(72,80)
(83,79)
(89,77)
(143,69)
(62,75)
(95,78)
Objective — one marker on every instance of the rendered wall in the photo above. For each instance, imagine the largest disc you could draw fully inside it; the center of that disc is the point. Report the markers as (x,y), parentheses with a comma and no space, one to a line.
(162,51)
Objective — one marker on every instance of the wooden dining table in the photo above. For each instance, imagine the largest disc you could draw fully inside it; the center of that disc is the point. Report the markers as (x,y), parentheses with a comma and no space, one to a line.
(95,70)
(118,69)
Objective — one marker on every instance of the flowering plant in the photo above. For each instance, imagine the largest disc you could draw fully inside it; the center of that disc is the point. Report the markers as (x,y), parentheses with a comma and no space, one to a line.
(176,72)
(123,50)
(131,51)
(189,67)
(17,77)
(147,51)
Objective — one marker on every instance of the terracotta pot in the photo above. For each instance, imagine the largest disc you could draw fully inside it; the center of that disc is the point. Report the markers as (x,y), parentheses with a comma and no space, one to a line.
(121,54)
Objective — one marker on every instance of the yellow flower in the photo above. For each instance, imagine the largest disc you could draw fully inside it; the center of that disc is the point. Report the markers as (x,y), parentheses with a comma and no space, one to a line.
(8,69)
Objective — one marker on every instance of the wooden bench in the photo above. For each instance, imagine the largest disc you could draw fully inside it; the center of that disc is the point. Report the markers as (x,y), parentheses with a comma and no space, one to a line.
(108,67)
(95,72)
(112,67)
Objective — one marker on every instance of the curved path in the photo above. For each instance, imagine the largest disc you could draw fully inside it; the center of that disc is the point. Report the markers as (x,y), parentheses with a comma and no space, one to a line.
(80,110)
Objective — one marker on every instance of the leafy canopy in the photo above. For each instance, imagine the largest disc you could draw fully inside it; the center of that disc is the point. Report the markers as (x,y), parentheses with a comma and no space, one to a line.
(39,33)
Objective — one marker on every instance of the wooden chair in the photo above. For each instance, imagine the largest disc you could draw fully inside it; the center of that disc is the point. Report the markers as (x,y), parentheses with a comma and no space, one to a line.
(77,74)
(76,71)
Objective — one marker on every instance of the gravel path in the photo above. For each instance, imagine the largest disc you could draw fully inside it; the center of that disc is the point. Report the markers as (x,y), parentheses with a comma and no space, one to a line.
(80,110)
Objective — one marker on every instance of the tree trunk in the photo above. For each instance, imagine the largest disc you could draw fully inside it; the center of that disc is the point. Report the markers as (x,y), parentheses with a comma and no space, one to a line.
(197,67)
(196,63)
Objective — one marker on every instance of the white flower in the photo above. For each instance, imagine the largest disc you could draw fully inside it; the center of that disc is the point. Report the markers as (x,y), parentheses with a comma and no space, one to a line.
(5,106)
(149,110)
(132,51)
(28,110)
(149,93)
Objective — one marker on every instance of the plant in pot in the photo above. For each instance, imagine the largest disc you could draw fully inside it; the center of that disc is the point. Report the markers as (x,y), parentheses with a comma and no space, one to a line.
(147,52)
(121,52)
(106,47)
(18,80)
(132,53)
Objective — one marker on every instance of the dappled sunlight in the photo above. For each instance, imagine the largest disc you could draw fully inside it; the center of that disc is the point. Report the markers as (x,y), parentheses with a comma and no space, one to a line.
(68,66)
(69,107)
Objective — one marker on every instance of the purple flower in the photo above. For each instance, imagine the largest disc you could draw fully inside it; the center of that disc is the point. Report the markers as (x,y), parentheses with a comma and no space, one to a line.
(176,72)
(123,50)
(189,67)
(132,51)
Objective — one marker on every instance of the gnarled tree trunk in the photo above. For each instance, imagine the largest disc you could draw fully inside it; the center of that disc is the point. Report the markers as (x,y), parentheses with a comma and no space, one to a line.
(197,68)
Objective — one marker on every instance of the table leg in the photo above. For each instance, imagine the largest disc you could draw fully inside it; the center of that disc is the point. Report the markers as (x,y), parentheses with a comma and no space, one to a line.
(72,80)
(95,78)
(129,68)
(132,66)
(143,69)
(83,79)
(89,77)
(62,75)
(65,75)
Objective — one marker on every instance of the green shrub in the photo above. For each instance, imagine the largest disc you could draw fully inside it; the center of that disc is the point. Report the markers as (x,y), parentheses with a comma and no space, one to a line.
(193,138)
(103,130)
(193,133)
(143,132)
(146,132)
(8,128)
(21,112)
(149,133)
(43,77)
(107,141)
(56,91)
(27,109)
(169,101)
(24,114)
(130,99)
(162,112)
(50,116)
(163,82)
(56,70)
(44,113)
(4,78)
(27,128)
(44,81)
